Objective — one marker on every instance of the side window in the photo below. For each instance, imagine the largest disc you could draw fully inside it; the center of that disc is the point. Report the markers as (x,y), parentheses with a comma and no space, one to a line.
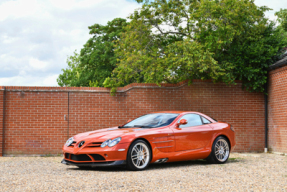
(205,121)
(192,120)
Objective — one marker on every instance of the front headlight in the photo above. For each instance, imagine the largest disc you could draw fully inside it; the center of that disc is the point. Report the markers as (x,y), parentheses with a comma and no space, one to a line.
(111,143)
(114,142)
(69,141)
(106,143)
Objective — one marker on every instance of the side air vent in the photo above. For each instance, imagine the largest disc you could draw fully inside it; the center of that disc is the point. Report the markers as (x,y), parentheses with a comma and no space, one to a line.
(67,155)
(80,157)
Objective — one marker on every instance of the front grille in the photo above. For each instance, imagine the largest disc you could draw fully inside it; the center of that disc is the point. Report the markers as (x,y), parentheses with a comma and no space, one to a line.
(94,144)
(97,157)
(80,157)
(81,143)
(67,155)
(84,157)
(92,163)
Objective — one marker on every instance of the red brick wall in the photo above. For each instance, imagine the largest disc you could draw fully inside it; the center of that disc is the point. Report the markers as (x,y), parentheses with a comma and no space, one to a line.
(277,110)
(35,123)
(1,119)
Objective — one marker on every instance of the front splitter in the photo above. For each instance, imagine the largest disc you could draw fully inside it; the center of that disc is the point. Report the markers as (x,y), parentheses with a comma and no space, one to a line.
(95,164)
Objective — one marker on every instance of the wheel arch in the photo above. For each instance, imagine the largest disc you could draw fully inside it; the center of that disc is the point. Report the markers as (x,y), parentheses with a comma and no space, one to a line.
(221,135)
(211,158)
(149,145)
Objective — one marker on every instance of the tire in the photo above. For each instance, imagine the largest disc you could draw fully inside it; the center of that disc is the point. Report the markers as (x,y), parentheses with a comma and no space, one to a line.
(220,151)
(139,156)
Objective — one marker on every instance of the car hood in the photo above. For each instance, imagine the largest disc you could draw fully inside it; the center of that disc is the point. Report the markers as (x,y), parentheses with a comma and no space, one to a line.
(104,134)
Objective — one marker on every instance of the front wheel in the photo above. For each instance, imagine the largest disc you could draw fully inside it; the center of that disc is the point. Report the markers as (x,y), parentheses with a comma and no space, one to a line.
(220,151)
(139,155)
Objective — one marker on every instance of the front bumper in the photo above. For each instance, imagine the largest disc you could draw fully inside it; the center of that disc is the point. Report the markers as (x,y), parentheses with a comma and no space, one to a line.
(95,156)
(95,164)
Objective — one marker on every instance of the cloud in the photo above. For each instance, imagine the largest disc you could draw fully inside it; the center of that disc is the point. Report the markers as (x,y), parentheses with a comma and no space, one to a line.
(274,4)
(37,36)
(27,80)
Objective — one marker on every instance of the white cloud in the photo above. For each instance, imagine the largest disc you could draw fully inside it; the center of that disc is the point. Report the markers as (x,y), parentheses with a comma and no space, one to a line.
(274,4)
(28,80)
(50,80)
(17,9)
(37,36)
(38,65)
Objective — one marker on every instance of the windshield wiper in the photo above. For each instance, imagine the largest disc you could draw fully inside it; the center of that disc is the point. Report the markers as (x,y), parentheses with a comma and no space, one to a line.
(125,126)
(142,126)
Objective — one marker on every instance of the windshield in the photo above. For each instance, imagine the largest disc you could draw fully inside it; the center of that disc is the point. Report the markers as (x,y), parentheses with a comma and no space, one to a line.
(152,120)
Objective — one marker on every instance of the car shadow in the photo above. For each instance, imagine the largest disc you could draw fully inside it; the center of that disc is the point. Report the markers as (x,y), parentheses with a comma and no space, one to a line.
(154,166)
(189,163)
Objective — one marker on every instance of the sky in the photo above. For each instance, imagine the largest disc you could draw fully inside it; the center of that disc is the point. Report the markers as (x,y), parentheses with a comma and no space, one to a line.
(37,36)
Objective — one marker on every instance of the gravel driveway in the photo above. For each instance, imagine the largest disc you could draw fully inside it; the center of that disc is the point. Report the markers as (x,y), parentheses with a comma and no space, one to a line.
(243,172)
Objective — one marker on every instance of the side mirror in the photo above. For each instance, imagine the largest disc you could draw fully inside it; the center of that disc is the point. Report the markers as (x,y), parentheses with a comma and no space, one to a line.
(181,122)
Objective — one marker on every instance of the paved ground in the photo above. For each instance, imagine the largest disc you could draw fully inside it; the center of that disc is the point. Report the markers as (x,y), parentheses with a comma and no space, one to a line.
(243,172)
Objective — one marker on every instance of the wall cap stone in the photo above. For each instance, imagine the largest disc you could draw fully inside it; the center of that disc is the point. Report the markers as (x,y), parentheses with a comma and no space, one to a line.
(102,89)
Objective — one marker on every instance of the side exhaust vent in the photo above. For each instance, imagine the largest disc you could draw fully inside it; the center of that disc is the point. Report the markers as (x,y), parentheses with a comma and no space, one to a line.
(161,160)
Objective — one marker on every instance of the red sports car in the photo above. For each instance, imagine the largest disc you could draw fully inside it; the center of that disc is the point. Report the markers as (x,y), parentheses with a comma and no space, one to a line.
(153,138)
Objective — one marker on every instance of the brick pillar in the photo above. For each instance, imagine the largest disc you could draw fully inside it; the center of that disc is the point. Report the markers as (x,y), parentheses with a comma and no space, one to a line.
(1,119)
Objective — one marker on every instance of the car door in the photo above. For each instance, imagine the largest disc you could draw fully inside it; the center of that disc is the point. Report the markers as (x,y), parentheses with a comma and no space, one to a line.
(194,135)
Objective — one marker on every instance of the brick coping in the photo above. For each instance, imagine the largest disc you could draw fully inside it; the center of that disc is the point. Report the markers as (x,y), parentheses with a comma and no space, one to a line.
(278,70)
(101,89)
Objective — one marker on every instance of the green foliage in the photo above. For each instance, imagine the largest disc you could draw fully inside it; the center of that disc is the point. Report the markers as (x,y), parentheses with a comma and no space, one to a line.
(97,59)
(146,58)
(252,54)
(282,18)
(72,73)
(171,40)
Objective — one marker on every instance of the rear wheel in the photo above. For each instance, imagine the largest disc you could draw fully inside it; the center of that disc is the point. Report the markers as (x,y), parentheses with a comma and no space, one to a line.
(139,155)
(220,151)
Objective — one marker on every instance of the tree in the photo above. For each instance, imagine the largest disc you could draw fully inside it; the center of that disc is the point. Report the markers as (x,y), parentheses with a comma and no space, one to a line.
(223,40)
(97,59)
(70,75)
(282,18)
(144,57)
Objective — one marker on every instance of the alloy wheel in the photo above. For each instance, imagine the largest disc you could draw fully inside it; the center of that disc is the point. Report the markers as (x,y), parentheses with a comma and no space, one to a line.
(221,150)
(140,155)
